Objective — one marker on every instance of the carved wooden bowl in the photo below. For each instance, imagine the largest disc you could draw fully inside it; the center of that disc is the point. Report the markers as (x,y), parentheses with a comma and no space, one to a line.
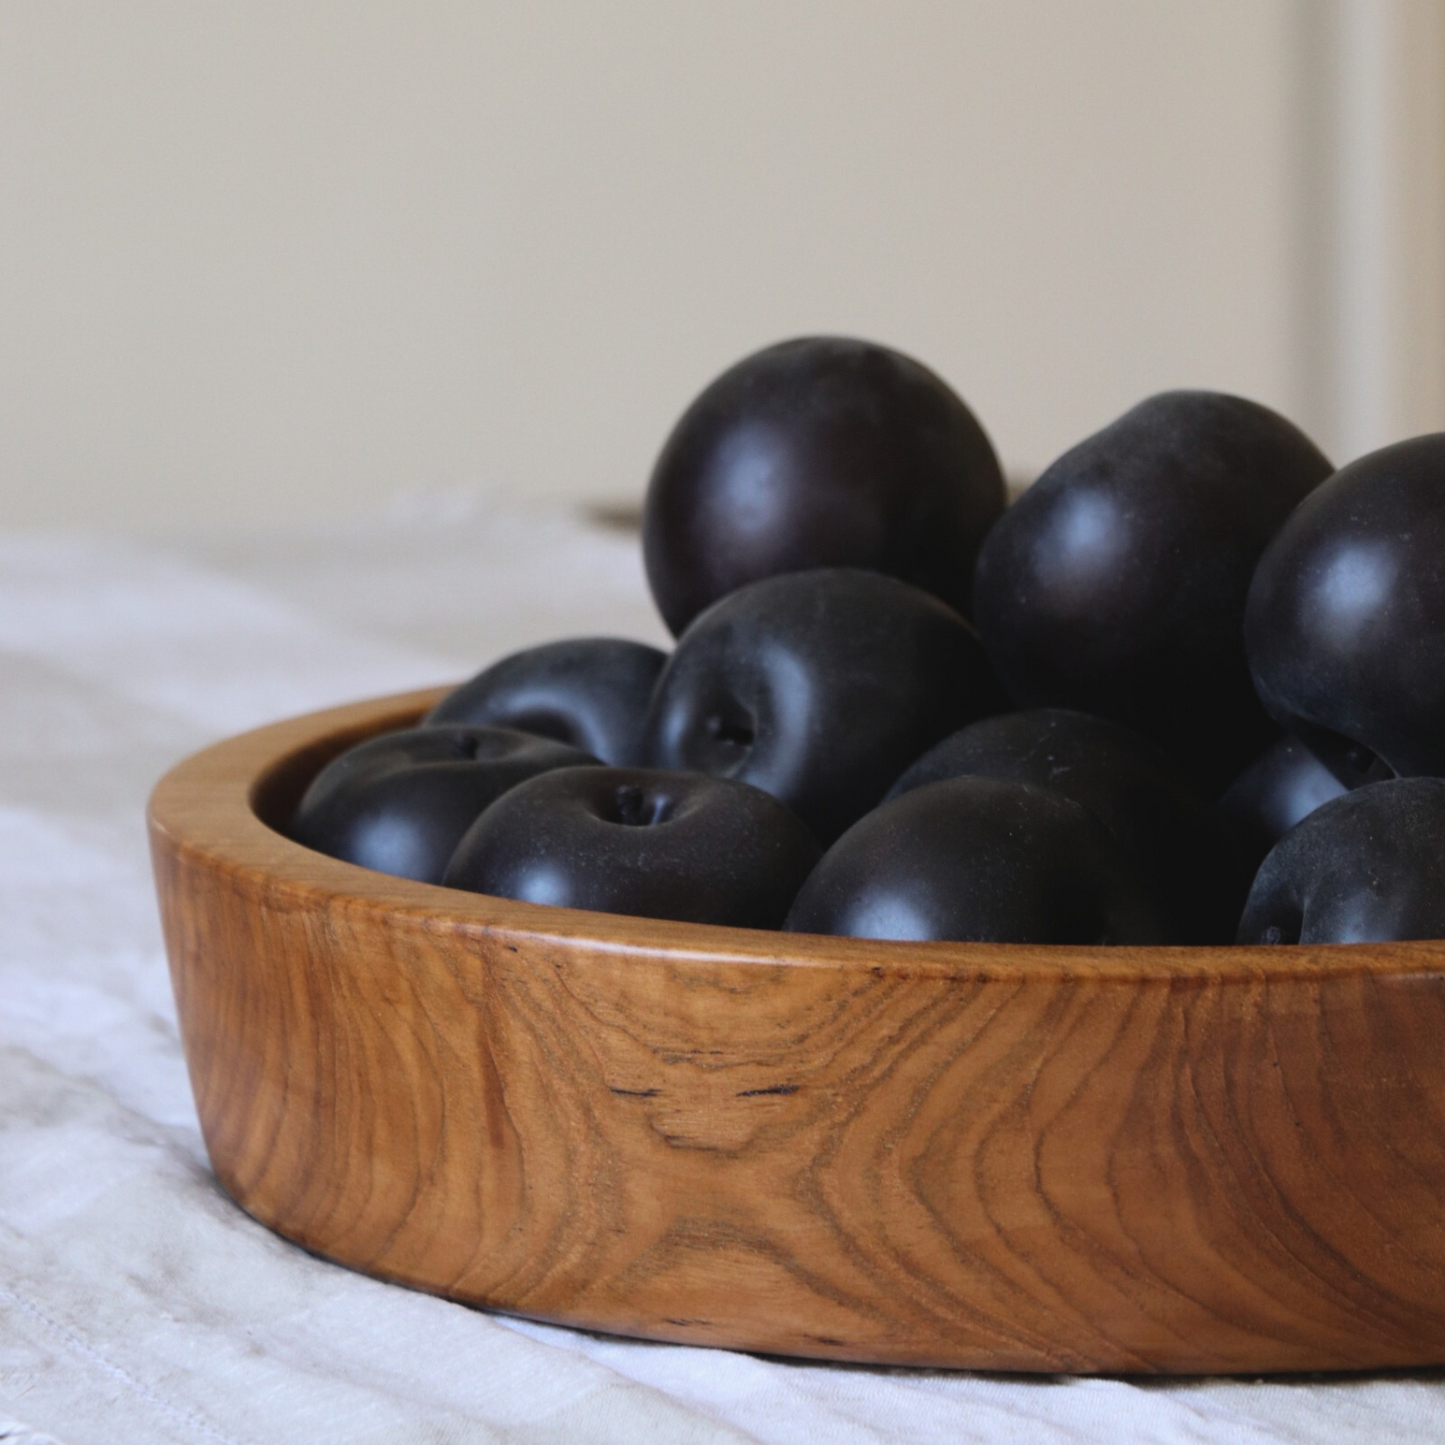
(994,1156)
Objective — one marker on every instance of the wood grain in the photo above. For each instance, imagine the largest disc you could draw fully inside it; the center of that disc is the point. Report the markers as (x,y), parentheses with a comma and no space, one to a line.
(993,1156)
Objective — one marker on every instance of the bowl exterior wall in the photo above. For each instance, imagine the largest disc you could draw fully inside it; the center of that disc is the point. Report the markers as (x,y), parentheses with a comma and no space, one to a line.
(986,1157)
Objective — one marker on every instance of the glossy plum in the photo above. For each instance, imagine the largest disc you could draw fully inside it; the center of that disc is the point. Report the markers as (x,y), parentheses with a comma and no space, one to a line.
(1160,819)
(400,803)
(1363,868)
(632,840)
(1280,788)
(1346,619)
(818,687)
(979,859)
(588,692)
(819,452)
(1116,584)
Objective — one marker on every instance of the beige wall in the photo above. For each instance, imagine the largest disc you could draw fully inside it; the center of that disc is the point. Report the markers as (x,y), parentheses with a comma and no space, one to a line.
(265,259)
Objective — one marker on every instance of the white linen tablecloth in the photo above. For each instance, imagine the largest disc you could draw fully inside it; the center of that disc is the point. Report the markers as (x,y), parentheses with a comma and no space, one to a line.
(137,1304)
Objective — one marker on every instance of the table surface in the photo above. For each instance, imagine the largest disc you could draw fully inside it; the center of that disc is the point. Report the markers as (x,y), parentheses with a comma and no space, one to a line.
(137,1304)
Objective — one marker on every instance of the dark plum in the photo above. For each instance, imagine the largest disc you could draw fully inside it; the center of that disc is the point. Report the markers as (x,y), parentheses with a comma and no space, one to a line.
(819,452)
(983,860)
(1346,620)
(1277,790)
(1116,584)
(632,840)
(818,687)
(1363,868)
(1161,819)
(588,692)
(399,803)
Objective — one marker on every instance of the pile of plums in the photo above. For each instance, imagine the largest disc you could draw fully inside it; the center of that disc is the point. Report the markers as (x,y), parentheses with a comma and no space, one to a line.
(1189,688)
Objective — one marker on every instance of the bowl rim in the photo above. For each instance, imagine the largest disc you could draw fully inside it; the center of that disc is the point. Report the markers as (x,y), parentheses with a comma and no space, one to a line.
(210,806)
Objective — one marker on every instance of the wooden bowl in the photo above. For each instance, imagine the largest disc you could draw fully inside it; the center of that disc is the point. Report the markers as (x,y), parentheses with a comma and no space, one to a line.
(995,1156)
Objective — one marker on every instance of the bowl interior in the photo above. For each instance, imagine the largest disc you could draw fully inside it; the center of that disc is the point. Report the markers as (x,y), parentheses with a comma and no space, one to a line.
(280,786)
